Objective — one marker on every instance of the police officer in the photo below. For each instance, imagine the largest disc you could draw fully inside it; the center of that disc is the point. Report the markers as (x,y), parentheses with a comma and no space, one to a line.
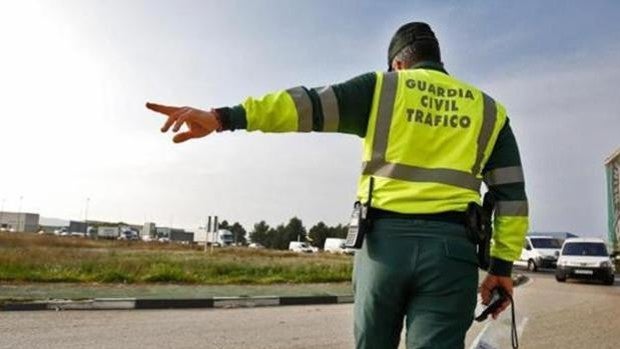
(429,141)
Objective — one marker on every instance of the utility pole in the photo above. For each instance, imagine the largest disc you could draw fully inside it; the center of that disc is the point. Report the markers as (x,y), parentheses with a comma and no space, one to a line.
(19,214)
(207,231)
(86,217)
(2,213)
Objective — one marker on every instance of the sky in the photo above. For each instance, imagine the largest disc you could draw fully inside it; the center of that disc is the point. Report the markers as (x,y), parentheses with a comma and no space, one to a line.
(76,140)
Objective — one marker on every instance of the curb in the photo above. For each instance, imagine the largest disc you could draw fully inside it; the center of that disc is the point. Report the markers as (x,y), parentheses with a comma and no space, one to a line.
(519,279)
(187,303)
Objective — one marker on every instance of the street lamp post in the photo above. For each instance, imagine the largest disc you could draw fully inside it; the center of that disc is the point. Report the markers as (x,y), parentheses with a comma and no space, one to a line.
(19,214)
(2,212)
(86,217)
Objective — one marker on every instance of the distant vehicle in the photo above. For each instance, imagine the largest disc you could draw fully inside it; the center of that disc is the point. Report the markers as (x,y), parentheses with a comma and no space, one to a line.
(255,245)
(298,246)
(64,231)
(336,245)
(108,232)
(76,228)
(163,239)
(585,258)
(129,235)
(223,237)
(540,252)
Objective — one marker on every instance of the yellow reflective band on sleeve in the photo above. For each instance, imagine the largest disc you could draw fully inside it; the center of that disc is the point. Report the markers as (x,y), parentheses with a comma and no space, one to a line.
(511,208)
(508,236)
(274,112)
(504,175)
(303,105)
(329,105)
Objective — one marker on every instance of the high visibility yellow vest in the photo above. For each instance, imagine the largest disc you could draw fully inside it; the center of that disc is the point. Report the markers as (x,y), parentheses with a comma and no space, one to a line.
(428,139)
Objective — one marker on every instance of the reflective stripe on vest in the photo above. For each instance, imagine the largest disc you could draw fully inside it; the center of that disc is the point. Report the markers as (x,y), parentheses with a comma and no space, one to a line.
(488,123)
(380,167)
(303,104)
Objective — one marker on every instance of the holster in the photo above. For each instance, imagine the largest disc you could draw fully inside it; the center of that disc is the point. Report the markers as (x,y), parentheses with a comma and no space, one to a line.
(480,228)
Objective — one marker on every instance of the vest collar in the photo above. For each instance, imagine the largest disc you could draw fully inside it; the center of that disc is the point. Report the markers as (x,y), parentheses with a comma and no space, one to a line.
(430,65)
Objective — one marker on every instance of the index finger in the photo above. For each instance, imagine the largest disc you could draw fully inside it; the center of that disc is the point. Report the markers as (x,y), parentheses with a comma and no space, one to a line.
(160,108)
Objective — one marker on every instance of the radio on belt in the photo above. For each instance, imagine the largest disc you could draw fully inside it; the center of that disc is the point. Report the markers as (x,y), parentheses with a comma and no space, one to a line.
(360,223)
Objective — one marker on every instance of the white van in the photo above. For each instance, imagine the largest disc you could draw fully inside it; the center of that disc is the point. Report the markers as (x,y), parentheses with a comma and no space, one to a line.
(298,246)
(585,258)
(336,245)
(540,252)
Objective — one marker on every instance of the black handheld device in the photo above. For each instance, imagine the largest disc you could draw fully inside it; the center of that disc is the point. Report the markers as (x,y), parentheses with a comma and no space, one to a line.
(498,297)
(360,222)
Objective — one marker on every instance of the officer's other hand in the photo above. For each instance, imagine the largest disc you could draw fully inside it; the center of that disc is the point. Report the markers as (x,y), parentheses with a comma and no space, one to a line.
(199,122)
(492,281)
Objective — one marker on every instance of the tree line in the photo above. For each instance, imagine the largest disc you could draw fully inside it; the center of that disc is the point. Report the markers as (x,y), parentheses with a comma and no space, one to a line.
(278,237)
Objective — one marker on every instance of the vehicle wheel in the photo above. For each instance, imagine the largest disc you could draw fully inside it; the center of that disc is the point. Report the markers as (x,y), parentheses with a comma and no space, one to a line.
(609,280)
(560,278)
(531,266)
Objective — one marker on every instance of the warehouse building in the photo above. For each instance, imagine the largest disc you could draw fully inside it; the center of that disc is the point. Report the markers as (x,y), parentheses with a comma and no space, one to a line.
(612,169)
(19,221)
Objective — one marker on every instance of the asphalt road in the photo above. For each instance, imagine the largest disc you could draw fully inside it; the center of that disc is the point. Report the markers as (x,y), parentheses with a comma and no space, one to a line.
(569,315)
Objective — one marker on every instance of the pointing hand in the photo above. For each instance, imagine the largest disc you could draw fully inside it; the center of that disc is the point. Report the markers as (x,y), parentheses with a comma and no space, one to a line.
(199,122)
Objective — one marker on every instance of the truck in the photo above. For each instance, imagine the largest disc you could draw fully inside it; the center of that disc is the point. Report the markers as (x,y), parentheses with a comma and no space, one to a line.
(108,232)
(77,228)
(222,237)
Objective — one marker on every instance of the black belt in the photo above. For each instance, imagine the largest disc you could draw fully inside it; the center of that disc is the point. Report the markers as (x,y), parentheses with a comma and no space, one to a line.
(455,217)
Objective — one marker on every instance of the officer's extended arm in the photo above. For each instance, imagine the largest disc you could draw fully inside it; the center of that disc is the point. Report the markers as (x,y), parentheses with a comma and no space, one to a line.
(503,175)
(343,108)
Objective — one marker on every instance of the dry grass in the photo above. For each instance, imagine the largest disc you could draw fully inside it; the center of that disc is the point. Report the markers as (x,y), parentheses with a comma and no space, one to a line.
(32,258)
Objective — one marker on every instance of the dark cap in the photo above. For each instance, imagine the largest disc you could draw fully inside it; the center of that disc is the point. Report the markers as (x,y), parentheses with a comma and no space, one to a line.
(409,34)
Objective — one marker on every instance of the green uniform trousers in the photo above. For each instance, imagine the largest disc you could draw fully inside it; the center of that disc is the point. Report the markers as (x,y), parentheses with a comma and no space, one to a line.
(421,272)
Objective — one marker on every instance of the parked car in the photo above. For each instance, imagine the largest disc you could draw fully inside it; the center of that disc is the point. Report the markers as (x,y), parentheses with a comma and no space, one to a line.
(585,258)
(298,246)
(540,252)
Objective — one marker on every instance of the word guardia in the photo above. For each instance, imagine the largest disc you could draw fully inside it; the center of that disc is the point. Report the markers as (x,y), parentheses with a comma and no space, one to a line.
(439,107)
(439,91)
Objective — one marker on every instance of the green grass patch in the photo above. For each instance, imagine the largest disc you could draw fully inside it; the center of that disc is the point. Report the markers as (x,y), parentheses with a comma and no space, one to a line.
(32,258)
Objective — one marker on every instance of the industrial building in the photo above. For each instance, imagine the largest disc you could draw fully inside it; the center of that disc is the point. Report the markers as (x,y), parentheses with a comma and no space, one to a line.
(19,221)
(612,168)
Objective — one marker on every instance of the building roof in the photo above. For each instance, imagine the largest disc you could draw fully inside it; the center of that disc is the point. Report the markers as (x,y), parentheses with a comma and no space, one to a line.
(555,234)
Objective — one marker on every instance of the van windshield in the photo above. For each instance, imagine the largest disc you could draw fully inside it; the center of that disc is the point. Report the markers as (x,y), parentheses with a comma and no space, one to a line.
(584,249)
(546,243)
